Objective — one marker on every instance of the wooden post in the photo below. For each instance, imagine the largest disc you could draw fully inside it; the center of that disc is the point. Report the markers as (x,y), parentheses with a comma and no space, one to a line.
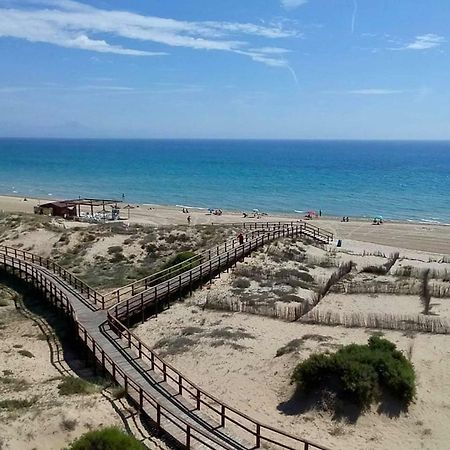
(158,414)
(258,435)
(222,416)
(188,437)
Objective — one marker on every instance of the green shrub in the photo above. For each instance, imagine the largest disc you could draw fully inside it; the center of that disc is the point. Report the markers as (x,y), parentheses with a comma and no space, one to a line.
(74,385)
(241,283)
(110,438)
(178,259)
(360,372)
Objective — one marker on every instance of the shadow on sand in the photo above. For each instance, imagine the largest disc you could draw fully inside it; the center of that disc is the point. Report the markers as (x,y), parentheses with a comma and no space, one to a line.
(341,409)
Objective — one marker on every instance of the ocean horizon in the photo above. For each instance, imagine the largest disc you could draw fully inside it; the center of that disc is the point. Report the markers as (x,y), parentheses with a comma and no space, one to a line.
(400,180)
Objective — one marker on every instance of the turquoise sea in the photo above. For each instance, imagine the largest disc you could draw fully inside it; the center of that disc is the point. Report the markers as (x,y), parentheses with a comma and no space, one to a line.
(399,180)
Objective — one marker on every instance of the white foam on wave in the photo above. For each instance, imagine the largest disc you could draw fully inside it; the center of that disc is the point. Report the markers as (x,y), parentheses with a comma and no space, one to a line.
(191,207)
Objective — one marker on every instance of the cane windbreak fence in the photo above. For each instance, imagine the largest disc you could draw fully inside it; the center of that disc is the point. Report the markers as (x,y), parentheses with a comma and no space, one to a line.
(58,286)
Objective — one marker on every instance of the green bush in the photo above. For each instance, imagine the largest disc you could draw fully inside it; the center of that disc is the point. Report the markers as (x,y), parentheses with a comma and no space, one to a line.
(179,258)
(110,438)
(360,373)
(76,386)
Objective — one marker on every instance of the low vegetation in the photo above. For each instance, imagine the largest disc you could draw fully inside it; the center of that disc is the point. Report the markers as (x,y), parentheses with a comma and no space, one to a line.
(111,438)
(15,404)
(76,386)
(362,374)
(26,353)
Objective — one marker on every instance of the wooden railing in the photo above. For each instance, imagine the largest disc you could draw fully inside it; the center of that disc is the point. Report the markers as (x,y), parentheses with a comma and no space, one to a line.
(225,414)
(139,286)
(324,236)
(147,405)
(206,270)
(96,298)
(211,263)
(129,308)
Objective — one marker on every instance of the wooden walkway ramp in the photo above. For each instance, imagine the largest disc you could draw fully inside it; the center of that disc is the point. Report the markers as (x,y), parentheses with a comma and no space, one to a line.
(192,417)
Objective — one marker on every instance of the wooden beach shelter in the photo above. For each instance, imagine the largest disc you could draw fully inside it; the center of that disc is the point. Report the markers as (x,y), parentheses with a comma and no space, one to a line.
(72,208)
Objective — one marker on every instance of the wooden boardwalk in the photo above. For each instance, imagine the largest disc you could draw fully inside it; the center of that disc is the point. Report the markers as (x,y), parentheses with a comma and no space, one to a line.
(192,417)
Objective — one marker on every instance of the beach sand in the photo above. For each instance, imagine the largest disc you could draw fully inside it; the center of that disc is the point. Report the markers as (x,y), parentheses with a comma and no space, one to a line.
(244,372)
(31,369)
(250,377)
(392,235)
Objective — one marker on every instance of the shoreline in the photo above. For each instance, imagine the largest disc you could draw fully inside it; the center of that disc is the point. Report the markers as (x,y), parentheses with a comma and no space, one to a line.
(387,238)
(296,215)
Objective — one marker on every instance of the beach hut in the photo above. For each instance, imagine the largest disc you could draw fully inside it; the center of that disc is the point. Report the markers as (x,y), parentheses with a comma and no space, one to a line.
(60,209)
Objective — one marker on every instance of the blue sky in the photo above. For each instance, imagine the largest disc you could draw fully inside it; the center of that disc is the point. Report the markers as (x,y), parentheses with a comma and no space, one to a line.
(347,69)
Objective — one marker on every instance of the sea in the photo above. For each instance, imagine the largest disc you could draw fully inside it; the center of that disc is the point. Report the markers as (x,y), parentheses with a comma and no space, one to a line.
(400,180)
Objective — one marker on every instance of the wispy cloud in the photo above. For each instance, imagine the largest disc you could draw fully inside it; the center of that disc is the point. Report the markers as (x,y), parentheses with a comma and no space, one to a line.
(368,91)
(271,50)
(421,42)
(72,24)
(292,4)
(355,12)
(374,91)
(425,42)
(155,88)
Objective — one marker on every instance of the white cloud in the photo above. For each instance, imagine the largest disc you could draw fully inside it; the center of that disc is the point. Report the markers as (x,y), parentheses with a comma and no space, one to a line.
(369,91)
(425,42)
(271,50)
(292,4)
(71,24)
(422,42)
(155,88)
(374,91)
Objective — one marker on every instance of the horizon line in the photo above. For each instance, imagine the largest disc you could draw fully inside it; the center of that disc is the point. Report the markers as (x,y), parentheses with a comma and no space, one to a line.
(72,138)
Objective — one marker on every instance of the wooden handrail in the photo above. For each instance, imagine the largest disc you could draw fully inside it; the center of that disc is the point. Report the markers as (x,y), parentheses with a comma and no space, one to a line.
(116,316)
(84,288)
(191,431)
(213,263)
(149,281)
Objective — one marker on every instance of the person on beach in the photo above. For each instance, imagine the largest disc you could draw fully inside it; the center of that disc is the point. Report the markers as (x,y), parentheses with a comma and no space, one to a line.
(240,238)
(189,220)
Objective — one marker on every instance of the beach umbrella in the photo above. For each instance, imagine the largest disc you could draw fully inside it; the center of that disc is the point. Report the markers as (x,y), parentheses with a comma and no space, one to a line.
(128,207)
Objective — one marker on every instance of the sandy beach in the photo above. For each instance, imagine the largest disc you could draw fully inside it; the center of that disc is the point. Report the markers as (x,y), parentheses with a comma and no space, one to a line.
(232,353)
(415,236)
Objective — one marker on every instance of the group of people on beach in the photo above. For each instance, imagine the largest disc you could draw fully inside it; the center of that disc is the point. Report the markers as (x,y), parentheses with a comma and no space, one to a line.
(344,219)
